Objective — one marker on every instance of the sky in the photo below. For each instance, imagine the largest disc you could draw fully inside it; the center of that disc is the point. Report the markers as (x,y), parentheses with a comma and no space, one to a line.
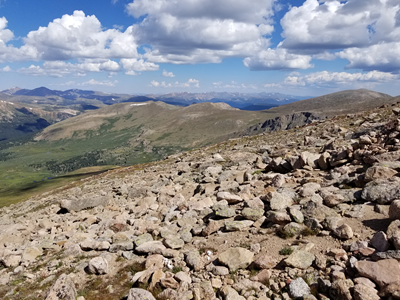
(305,48)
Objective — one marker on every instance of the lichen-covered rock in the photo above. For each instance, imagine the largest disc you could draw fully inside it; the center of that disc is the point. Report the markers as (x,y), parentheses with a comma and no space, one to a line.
(63,289)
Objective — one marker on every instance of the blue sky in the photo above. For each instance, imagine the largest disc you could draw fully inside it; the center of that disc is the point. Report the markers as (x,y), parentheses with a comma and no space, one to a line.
(160,46)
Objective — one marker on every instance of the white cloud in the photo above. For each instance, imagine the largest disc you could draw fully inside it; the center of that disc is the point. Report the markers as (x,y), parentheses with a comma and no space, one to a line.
(80,36)
(384,57)
(93,82)
(6,69)
(326,78)
(194,31)
(167,74)
(191,83)
(61,68)
(273,85)
(317,26)
(277,59)
(138,65)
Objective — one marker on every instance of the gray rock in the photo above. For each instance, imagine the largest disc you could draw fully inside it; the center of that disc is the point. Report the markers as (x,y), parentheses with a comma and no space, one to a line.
(364,292)
(380,241)
(278,201)
(153,247)
(394,210)
(300,259)
(382,191)
(232,199)
(81,204)
(340,289)
(344,232)
(236,258)
(63,288)
(122,246)
(225,212)
(194,260)
(98,265)
(238,225)
(296,214)
(278,217)
(140,294)
(230,294)
(174,242)
(390,254)
(141,239)
(298,288)
(252,213)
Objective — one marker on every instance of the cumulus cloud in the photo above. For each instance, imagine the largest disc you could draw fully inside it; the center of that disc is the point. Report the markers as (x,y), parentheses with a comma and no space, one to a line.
(326,78)
(317,26)
(93,82)
(167,74)
(61,68)
(277,59)
(383,57)
(191,83)
(201,31)
(80,36)
(6,69)
(138,65)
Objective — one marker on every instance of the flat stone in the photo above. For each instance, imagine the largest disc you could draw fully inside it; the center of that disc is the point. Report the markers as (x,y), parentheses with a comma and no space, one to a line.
(174,242)
(81,204)
(390,254)
(231,198)
(252,214)
(300,259)
(236,258)
(153,247)
(382,272)
(238,225)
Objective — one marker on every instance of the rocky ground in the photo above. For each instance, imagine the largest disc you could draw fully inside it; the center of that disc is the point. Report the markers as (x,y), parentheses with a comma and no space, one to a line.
(310,213)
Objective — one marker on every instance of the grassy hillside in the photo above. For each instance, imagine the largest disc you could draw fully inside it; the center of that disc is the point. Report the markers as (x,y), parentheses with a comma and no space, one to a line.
(118,135)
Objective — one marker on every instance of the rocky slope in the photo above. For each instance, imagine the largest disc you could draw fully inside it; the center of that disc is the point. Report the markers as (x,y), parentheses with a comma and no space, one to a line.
(307,213)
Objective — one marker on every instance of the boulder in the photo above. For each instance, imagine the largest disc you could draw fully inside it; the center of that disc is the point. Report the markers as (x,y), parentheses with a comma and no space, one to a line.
(63,288)
(382,272)
(236,258)
(300,259)
(83,203)
(139,294)
(378,172)
(298,288)
(382,191)
(98,265)
(153,247)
